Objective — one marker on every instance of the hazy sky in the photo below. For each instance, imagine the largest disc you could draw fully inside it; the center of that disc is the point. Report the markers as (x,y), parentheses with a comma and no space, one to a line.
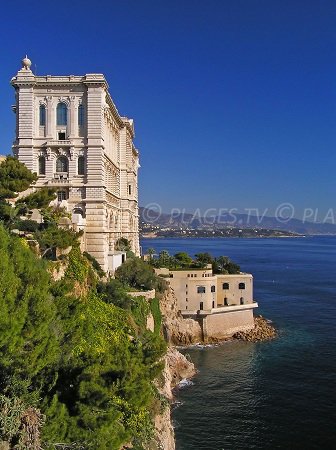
(234,101)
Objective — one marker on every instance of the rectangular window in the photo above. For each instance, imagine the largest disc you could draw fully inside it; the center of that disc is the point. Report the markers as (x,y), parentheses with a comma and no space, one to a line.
(201,306)
(201,289)
(61,195)
(129,189)
(80,115)
(61,136)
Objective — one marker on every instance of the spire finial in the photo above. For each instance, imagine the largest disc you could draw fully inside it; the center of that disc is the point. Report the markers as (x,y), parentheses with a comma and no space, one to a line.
(26,63)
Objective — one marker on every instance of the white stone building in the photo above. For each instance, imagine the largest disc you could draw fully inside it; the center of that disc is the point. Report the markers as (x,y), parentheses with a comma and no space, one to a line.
(70,133)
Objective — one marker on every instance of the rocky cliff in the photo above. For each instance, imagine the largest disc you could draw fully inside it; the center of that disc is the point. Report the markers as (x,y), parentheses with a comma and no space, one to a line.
(177,330)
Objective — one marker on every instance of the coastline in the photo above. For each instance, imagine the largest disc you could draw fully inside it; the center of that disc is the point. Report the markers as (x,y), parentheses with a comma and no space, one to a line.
(182,334)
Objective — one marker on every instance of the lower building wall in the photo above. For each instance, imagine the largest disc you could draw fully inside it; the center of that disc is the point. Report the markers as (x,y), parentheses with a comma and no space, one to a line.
(219,326)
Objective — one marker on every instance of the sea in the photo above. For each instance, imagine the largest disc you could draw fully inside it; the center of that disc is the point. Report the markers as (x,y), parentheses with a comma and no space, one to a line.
(279,394)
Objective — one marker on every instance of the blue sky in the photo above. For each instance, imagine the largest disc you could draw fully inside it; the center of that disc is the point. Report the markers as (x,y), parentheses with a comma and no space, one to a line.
(234,101)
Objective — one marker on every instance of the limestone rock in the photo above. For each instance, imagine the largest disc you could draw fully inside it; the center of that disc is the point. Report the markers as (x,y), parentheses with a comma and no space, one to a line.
(263,331)
(178,331)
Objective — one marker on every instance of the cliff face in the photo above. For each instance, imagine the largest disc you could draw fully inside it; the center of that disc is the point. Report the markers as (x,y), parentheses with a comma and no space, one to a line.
(177,367)
(178,331)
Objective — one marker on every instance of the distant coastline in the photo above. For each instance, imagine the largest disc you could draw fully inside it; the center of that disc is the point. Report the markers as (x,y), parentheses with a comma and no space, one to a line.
(230,233)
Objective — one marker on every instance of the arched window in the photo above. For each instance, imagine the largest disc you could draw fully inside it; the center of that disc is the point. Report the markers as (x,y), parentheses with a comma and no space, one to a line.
(61,195)
(241,286)
(62,114)
(42,165)
(81,165)
(81,115)
(62,164)
(226,286)
(42,116)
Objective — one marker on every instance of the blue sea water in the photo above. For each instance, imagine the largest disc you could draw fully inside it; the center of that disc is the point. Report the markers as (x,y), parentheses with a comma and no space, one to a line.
(271,395)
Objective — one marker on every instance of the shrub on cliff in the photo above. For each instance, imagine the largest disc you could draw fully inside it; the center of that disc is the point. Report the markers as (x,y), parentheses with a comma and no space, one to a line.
(137,274)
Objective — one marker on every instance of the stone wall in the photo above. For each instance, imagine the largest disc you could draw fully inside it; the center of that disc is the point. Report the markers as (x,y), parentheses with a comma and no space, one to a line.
(146,294)
(223,325)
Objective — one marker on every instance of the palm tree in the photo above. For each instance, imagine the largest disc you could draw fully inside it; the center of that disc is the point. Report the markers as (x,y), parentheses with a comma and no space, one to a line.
(151,253)
(164,257)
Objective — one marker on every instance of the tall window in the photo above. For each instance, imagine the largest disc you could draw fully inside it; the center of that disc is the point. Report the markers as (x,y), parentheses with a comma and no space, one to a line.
(241,286)
(213,288)
(81,115)
(242,300)
(42,165)
(42,115)
(62,114)
(81,165)
(62,164)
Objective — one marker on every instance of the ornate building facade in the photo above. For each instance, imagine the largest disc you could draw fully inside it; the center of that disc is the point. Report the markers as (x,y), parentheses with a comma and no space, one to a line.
(70,133)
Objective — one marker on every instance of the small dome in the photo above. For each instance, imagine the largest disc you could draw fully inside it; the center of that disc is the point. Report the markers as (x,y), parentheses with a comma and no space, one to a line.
(26,63)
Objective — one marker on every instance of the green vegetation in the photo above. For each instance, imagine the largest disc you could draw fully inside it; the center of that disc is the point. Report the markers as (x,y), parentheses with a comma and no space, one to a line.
(14,178)
(182,261)
(76,350)
(76,358)
(137,274)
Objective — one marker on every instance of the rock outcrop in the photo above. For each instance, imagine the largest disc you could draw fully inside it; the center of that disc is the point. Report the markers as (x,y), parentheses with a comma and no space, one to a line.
(263,331)
(177,330)
(177,367)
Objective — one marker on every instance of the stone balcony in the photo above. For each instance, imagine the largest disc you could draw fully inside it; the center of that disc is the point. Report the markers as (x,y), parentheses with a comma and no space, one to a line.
(219,310)
(58,143)
(60,179)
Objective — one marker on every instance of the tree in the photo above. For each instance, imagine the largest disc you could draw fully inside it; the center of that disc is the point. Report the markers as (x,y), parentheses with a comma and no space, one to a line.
(151,253)
(202,259)
(223,264)
(123,245)
(184,259)
(164,258)
(14,177)
(138,274)
(39,199)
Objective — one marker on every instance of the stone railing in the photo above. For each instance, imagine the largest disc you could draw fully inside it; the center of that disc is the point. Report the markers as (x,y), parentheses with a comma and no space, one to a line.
(147,294)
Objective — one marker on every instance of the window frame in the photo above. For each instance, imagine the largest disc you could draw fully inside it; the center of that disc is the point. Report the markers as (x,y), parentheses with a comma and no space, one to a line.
(61,114)
(81,165)
(58,161)
(80,115)
(42,115)
(59,195)
(42,160)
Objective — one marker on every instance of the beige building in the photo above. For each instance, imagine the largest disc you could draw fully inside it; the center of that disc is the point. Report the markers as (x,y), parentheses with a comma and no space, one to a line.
(222,303)
(69,131)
